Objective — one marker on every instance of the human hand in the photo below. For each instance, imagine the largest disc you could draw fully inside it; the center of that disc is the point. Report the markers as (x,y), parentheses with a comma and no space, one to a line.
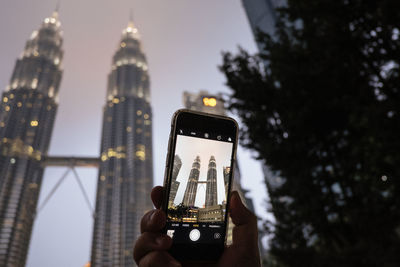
(151,247)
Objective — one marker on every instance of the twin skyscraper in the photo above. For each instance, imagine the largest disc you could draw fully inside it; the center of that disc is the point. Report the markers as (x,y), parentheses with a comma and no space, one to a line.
(27,113)
(190,195)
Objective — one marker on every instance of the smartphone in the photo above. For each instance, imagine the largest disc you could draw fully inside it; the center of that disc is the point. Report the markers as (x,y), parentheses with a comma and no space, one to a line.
(198,179)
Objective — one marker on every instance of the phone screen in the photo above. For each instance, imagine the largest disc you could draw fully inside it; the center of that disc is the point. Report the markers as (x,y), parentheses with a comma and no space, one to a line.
(199,186)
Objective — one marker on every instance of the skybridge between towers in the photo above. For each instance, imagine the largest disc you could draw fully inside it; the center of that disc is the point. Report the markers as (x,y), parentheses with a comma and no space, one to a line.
(71,163)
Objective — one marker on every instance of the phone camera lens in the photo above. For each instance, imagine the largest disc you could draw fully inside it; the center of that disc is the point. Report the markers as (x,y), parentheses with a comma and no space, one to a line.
(217,236)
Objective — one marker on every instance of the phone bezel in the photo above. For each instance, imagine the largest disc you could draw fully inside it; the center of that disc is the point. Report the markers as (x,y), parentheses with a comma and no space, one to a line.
(201,122)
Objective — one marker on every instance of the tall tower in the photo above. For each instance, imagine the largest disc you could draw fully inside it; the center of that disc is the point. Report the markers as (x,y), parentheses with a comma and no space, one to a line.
(262,15)
(226,171)
(27,112)
(211,192)
(126,170)
(189,197)
(174,182)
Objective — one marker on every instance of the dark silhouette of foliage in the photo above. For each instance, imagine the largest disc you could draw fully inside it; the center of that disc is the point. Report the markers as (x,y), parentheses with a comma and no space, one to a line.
(323,112)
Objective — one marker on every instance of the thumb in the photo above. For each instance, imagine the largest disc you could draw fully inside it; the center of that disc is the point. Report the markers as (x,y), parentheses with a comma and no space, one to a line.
(245,231)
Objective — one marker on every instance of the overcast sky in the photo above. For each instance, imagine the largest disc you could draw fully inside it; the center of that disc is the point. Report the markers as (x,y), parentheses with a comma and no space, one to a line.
(182,39)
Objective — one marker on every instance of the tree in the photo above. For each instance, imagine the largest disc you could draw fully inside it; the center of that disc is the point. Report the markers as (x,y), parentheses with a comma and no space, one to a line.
(324,114)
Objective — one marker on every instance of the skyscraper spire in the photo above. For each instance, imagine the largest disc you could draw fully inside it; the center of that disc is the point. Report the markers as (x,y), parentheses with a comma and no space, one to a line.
(57,7)
(131,15)
(129,57)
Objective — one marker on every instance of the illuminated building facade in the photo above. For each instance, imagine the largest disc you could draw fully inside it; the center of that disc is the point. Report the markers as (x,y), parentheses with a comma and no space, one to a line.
(213,213)
(191,187)
(174,182)
(211,191)
(204,102)
(27,112)
(126,170)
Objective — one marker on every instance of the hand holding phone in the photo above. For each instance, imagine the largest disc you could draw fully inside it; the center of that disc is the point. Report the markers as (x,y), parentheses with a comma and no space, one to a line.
(198,178)
(190,222)
(151,248)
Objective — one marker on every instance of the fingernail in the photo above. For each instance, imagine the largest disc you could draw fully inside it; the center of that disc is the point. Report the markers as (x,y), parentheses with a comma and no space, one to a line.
(174,264)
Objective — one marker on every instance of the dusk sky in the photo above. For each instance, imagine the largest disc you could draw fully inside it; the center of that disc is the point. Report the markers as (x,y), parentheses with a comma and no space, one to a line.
(183,41)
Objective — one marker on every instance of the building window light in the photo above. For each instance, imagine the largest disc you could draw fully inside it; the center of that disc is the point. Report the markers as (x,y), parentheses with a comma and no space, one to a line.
(11,96)
(140,152)
(56,61)
(139,112)
(129,129)
(115,100)
(5,99)
(7,108)
(146,116)
(19,104)
(34,83)
(34,123)
(34,34)
(33,185)
(123,44)
(51,91)
(210,102)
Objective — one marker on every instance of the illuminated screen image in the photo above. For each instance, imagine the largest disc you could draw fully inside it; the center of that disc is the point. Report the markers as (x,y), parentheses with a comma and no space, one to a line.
(199,182)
